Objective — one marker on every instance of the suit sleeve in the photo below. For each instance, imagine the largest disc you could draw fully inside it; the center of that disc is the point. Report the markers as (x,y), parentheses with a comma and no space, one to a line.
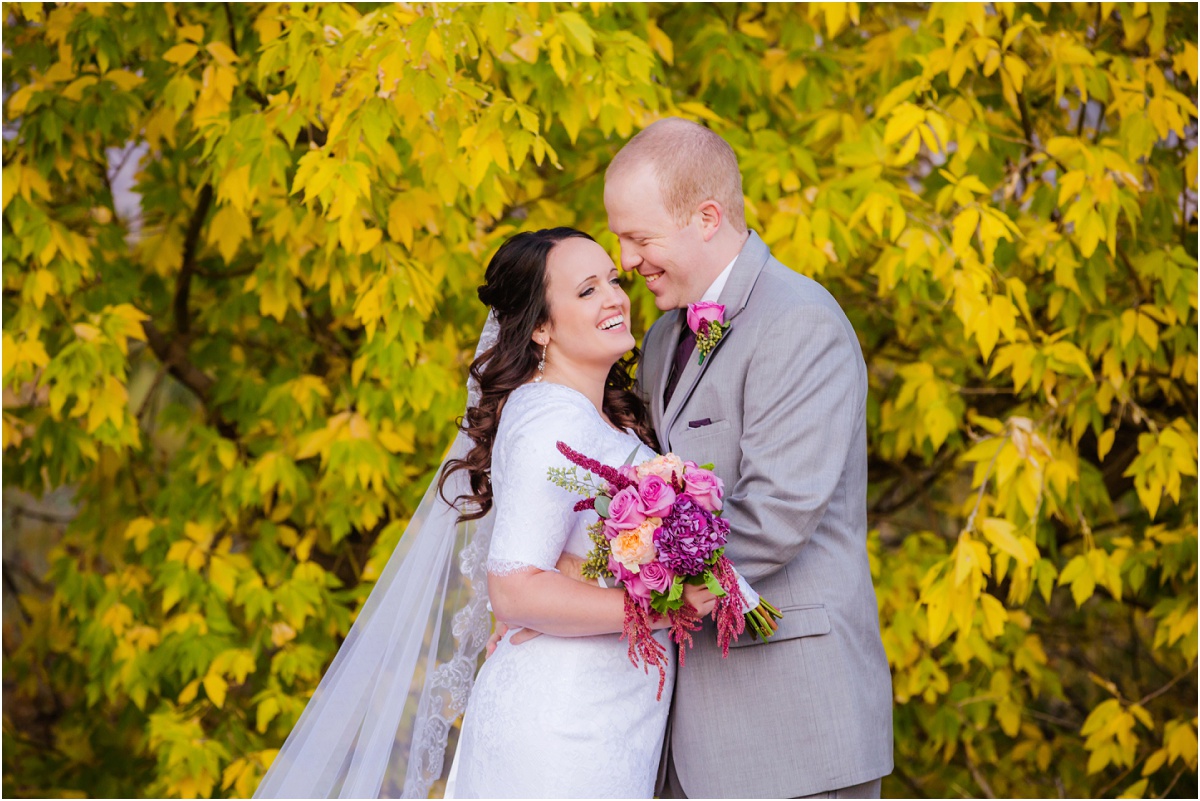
(804,401)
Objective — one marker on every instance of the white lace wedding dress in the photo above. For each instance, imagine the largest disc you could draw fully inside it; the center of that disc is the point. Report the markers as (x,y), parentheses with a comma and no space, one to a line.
(562,717)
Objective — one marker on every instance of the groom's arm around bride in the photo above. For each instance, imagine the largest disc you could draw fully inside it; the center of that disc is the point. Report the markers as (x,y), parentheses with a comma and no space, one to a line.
(778,404)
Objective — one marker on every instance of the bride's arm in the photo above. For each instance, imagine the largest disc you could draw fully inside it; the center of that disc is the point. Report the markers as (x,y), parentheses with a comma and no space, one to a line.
(552,603)
(532,522)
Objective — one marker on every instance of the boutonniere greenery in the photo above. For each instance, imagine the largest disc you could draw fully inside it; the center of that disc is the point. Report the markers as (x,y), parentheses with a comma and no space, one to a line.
(707,321)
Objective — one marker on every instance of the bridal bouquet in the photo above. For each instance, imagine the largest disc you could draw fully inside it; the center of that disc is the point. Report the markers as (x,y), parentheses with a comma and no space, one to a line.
(660,527)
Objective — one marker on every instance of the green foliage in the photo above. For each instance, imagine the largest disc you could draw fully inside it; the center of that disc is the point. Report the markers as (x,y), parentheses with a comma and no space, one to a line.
(595,566)
(248,383)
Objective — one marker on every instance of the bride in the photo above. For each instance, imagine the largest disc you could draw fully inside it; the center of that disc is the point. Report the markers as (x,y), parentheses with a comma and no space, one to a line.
(565,714)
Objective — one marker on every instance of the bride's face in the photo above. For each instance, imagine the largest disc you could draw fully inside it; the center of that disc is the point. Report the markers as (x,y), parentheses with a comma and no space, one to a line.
(589,311)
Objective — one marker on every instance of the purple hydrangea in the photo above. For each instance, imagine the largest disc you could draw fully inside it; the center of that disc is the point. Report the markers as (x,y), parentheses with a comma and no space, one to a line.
(688,537)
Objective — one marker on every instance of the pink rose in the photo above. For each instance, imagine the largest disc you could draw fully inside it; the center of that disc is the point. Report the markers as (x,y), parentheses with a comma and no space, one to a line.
(619,571)
(701,314)
(656,496)
(637,589)
(705,487)
(623,511)
(656,577)
(610,532)
(628,472)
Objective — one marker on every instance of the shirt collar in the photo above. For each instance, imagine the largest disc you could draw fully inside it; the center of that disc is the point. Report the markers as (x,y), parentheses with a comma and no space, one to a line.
(714,291)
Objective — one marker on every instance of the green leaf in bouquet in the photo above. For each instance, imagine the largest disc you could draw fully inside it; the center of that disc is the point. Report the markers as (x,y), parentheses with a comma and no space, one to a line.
(676,591)
(632,455)
(602,502)
(663,604)
(708,466)
(714,586)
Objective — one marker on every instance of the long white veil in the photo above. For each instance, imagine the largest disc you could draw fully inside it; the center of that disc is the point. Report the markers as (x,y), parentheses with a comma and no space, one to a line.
(379,722)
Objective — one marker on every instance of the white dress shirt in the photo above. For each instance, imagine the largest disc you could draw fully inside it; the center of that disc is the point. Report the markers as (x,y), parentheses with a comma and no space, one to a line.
(714,291)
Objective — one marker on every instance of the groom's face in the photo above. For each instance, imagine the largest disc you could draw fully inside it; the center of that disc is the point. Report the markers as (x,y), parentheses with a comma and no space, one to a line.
(653,243)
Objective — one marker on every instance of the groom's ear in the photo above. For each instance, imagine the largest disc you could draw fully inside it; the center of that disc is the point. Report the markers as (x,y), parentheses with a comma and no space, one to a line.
(711,214)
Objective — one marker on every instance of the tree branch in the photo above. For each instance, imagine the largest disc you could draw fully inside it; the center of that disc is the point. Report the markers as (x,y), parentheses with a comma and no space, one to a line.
(190,241)
(43,517)
(225,274)
(11,586)
(977,775)
(1137,279)
(172,354)
(1026,125)
(1148,698)
(232,31)
(887,504)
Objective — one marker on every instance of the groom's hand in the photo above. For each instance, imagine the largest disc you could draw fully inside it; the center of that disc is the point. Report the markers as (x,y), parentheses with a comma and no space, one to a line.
(522,635)
(497,635)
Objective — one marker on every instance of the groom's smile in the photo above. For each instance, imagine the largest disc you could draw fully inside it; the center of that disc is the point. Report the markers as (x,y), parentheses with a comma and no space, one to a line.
(674,256)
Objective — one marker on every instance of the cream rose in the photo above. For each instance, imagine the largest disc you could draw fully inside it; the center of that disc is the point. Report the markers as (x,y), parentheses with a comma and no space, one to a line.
(665,467)
(635,547)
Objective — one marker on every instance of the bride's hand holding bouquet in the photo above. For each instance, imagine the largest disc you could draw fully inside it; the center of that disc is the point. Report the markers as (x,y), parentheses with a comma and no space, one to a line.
(660,530)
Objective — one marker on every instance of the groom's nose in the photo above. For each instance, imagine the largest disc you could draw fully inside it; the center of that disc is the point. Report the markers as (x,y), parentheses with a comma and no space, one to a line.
(630,260)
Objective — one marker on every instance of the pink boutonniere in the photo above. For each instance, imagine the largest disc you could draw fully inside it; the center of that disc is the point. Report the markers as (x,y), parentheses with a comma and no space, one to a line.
(707,321)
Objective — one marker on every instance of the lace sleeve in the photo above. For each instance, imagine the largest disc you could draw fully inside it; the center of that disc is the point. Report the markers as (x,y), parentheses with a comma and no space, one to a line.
(532,515)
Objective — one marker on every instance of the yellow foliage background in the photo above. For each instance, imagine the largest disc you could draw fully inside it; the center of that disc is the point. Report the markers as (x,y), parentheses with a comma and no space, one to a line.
(221,402)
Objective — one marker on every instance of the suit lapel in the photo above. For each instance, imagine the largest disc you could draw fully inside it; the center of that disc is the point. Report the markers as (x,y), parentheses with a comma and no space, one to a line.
(659,383)
(736,294)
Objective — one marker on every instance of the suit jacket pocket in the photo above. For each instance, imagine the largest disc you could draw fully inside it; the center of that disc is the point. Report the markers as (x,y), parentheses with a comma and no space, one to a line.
(809,620)
(682,432)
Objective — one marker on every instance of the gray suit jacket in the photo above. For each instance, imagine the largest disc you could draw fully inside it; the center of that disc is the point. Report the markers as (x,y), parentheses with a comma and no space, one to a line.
(779,407)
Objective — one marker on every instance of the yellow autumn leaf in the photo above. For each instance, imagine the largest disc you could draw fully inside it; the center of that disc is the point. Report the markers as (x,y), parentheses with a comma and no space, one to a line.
(267,709)
(190,691)
(181,53)
(222,53)
(661,43)
(1147,330)
(904,119)
(214,688)
(125,79)
(994,616)
(19,100)
(1000,533)
(194,32)
(963,228)
(228,229)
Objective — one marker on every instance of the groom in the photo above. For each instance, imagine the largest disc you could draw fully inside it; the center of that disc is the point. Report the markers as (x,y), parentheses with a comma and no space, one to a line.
(778,405)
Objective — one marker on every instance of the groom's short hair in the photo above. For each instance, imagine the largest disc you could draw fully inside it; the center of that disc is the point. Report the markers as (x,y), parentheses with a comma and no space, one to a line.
(692,164)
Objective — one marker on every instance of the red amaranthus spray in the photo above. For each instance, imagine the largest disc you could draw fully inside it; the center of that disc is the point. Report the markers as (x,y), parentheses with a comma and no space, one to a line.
(660,528)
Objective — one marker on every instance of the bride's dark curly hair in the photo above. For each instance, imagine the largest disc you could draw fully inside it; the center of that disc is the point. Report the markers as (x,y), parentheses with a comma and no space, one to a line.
(515,289)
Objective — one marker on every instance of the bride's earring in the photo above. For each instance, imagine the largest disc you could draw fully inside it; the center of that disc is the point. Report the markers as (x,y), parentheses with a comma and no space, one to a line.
(542,364)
